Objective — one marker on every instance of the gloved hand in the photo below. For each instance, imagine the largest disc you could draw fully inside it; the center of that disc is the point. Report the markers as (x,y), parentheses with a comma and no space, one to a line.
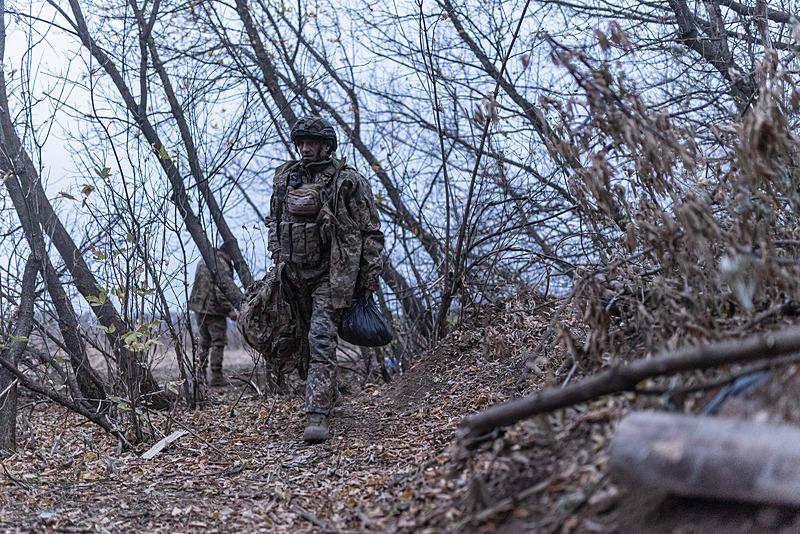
(369,288)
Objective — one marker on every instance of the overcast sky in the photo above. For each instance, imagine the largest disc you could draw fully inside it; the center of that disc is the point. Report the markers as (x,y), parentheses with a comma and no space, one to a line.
(48,60)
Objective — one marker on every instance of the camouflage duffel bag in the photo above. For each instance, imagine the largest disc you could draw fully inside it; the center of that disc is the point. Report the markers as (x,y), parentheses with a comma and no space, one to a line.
(268,323)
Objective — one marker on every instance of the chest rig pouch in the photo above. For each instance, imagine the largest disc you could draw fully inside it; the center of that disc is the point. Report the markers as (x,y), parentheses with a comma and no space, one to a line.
(301,237)
(304,201)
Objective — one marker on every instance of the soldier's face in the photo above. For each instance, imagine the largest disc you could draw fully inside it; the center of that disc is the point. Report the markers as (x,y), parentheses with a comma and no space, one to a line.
(312,148)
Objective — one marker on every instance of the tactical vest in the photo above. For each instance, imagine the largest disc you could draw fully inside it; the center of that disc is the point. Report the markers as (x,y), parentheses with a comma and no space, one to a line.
(305,223)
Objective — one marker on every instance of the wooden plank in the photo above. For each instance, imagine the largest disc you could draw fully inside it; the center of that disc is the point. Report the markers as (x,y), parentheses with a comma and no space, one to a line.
(710,457)
(163,443)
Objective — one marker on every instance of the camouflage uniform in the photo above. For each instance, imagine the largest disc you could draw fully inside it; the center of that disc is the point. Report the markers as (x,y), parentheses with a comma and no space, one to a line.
(330,255)
(211,310)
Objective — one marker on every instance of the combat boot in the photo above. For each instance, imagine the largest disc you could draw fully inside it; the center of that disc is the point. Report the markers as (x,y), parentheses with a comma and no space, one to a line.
(217,378)
(316,428)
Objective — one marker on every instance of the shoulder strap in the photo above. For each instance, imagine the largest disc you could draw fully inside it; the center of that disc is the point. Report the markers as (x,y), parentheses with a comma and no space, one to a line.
(281,186)
(328,192)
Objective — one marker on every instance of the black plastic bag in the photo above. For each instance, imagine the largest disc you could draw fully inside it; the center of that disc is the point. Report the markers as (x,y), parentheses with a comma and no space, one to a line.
(363,324)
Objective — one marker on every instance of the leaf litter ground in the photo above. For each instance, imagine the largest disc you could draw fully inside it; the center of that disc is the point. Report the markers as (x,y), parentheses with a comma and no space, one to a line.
(392,465)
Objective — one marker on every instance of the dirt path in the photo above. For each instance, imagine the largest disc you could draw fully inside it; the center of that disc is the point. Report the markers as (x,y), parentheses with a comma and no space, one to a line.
(390,466)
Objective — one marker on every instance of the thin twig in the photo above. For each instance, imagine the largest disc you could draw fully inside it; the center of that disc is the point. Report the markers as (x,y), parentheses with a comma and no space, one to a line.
(575,506)
(241,393)
(15,480)
(9,388)
(570,373)
(248,382)
(504,506)
(198,436)
(314,520)
(763,316)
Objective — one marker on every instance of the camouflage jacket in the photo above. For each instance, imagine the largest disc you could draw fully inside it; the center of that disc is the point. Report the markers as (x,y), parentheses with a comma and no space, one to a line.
(206,297)
(356,239)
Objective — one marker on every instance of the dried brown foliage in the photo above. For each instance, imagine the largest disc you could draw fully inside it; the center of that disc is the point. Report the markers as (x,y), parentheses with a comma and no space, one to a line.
(695,236)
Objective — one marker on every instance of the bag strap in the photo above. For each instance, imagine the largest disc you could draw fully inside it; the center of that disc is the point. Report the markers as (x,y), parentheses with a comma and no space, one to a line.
(328,192)
(282,188)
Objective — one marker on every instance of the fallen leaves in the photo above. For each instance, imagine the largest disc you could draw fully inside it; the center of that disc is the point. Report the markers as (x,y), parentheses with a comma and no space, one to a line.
(391,464)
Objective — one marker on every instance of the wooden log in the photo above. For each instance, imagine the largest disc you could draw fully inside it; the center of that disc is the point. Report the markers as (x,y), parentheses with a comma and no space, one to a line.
(627,377)
(710,457)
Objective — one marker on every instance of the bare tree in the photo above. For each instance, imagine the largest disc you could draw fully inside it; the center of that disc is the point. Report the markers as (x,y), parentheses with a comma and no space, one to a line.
(507,149)
(12,350)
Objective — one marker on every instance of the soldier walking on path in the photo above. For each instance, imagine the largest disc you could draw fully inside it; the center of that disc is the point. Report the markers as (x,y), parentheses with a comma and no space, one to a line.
(211,310)
(325,228)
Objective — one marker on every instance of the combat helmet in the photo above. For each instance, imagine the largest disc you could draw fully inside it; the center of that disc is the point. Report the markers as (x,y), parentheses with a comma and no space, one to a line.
(314,126)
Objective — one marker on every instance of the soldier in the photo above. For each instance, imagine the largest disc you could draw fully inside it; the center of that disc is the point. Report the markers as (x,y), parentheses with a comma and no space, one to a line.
(211,309)
(325,228)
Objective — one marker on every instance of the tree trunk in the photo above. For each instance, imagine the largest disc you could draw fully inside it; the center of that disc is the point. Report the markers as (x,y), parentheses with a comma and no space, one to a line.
(34,209)
(11,353)
(714,50)
(264,64)
(89,384)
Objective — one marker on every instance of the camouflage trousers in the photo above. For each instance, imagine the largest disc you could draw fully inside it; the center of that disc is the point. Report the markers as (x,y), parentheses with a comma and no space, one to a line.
(212,332)
(312,290)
